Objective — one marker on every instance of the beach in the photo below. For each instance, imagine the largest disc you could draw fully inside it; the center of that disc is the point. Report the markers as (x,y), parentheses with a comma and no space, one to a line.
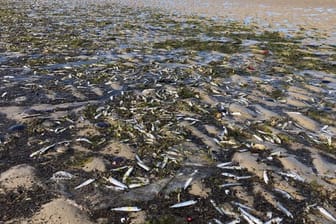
(167,112)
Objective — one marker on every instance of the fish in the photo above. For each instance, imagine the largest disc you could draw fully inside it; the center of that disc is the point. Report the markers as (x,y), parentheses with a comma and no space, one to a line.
(217,221)
(276,220)
(293,175)
(216,207)
(116,182)
(127,209)
(284,210)
(232,168)
(284,193)
(41,151)
(115,188)
(220,165)
(250,218)
(187,183)
(236,221)
(143,166)
(62,175)
(84,140)
(230,185)
(266,179)
(326,214)
(184,204)
(127,173)
(87,182)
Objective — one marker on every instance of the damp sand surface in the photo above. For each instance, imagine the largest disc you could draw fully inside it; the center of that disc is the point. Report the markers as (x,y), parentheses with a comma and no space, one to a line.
(120,114)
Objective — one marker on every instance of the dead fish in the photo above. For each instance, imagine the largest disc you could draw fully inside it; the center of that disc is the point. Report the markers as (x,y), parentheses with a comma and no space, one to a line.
(43,150)
(276,220)
(131,186)
(87,182)
(217,221)
(293,175)
(230,185)
(229,175)
(220,210)
(116,182)
(187,183)
(143,166)
(258,138)
(164,163)
(266,179)
(326,214)
(284,210)
(236,221)
(61,175)
(220,165)
(84,140)
(242,206)
(250,218)
(242,177)
(232,168)
(115,188)
(127,173)
(283,193)
(184,204)
(126,209)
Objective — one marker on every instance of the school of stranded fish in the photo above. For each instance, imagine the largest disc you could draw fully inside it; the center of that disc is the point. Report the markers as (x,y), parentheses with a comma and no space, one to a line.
(118,115)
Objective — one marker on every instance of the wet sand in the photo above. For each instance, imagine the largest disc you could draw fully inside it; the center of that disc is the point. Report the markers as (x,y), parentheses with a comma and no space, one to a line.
(278,14)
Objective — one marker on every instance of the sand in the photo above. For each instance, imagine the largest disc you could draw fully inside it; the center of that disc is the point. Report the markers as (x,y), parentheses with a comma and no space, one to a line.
(277,13)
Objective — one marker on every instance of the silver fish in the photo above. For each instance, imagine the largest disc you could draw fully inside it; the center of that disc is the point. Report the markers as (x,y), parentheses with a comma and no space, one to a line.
(87,182)
(220,165)
(84,140)
(276,220)
(266,179)
(126,209)
(250,218)
(116,182)
(61,175)
(143,166)
(283,193)
(327,214)
(216,207)
(187,183)
(43,150)
(236,221)
(127,173)
(284,210)
(230,185)
(184,204)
